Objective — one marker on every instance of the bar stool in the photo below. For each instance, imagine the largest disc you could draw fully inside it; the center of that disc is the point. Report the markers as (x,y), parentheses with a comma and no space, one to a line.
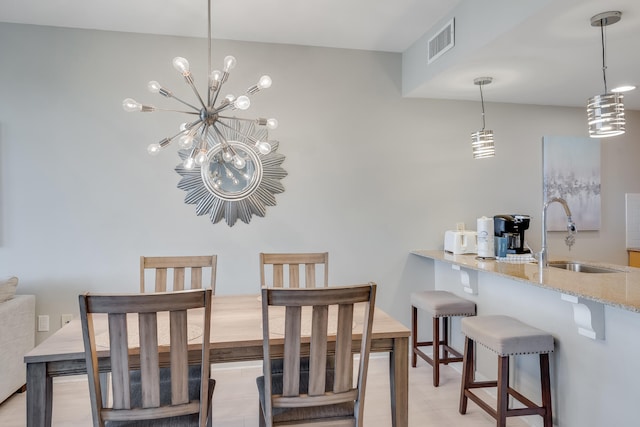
(441,304)
(505,336)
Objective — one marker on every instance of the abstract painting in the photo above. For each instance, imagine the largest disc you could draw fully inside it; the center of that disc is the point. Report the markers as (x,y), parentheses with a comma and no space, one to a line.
(571,170)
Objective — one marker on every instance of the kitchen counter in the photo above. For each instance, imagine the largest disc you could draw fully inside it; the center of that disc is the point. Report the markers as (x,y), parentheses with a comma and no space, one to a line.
(620,289)
(593,318)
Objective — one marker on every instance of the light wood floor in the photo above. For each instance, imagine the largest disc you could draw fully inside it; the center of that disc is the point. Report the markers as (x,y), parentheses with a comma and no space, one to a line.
(235,399)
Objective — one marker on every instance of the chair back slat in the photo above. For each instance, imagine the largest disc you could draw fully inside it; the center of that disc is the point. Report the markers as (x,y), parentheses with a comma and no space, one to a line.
(149,359)
(196,278)
(182,267)
(324,324)
(344,359)
(179,358)
(291,375)
(119,349)
(178,279)
(318,350)
(293,263)
(310,275)
(146,359)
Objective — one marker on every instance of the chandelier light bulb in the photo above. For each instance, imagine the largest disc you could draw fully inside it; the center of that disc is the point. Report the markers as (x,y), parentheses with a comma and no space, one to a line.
(201,158)
(272,123)
(239,162)
(229,63)
(153,149)
(215,76)
(264,82)
(242,103)
(181,65)
(264,147)
(223,157)
(185,141)
(188,163)
(131,105)
(154,86)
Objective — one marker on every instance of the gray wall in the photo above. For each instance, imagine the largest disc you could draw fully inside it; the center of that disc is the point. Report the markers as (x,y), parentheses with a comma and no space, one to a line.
(371,175)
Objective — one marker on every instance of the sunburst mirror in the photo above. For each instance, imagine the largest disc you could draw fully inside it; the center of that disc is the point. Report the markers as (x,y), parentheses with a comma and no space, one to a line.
(234,189)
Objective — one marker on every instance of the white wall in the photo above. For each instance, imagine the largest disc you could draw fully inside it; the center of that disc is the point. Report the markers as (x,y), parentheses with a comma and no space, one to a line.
(371,175)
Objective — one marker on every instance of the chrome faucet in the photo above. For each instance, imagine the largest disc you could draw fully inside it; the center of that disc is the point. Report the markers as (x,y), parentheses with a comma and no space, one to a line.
(543,259)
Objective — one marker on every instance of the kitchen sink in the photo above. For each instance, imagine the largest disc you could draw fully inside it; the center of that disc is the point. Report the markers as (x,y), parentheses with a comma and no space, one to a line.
(581,268)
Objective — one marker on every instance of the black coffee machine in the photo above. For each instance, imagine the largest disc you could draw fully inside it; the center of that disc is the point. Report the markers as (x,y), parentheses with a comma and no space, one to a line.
(512,227)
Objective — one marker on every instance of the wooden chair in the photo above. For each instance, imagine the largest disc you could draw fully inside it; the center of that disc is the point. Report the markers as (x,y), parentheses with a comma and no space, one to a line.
(293,261)
(150,394)
(180,265)
(320,392)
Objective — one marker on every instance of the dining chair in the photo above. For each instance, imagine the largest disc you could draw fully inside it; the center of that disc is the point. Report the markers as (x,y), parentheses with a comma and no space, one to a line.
(181,266)
(150,386)
(316,323)
(294,262)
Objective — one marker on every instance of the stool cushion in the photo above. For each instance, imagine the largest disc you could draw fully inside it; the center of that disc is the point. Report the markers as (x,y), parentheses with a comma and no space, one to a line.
(506,335)
(442,303)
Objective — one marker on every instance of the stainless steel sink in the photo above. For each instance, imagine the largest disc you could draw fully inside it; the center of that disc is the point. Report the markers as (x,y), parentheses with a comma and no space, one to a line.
(581,268)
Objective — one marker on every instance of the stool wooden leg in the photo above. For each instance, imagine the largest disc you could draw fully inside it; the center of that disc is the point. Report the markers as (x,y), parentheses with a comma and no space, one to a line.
(414,335)
(445,338)
(436,351)
(545,384)
(503,391)
(467,373)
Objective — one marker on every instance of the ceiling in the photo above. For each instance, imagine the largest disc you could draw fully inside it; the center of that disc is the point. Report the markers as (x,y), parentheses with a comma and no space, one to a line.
(549,56)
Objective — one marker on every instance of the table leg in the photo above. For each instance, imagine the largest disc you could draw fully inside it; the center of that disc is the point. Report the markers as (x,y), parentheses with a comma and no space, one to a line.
(39,395)
(399,380)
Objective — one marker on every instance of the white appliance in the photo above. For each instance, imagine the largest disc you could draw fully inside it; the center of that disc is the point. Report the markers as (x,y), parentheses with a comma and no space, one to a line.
(461,242)
(485,237)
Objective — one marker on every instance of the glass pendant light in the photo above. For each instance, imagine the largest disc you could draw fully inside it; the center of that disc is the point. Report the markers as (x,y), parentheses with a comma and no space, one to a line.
(605,113)
(482,140)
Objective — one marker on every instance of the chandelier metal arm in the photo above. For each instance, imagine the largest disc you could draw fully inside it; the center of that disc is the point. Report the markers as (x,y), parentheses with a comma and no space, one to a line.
(223,141)
(239,132)
(168,94)
(189,81)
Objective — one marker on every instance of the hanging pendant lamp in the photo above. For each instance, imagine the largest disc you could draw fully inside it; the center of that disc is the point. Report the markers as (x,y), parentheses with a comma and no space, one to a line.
(605,113)
(482,141)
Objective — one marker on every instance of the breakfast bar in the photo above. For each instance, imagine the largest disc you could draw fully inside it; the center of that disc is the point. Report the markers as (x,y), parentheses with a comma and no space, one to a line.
(593,317)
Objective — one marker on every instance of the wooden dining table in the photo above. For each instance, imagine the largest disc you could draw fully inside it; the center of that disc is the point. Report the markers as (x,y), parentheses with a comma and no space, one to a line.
(236,335)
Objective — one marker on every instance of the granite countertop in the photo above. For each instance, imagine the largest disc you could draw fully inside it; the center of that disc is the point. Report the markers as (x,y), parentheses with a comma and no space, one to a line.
(619,289)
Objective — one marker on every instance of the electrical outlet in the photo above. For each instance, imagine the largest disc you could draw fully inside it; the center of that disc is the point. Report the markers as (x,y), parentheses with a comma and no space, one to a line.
(65,318)
(43,323)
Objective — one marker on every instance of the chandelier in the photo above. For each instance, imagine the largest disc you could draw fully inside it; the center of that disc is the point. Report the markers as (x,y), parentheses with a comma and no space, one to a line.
(605,113)
(230,169)
(482,141)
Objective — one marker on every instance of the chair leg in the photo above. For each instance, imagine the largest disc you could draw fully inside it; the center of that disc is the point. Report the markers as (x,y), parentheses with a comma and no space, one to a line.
(545,384)
(503,391)
(445,339)
(414,335)
(467,373)
(436,351)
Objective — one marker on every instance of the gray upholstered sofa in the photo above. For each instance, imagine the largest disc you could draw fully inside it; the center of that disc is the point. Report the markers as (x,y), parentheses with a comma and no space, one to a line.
(17,335)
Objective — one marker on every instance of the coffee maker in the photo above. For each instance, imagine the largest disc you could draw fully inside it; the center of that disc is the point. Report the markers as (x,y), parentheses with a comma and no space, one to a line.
(512,227)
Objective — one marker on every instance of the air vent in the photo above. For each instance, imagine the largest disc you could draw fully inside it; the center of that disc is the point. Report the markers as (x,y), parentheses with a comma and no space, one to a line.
(441,42)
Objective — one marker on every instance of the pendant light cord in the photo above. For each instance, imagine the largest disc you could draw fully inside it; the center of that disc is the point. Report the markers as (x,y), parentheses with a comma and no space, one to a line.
(604,63)
(482,102)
